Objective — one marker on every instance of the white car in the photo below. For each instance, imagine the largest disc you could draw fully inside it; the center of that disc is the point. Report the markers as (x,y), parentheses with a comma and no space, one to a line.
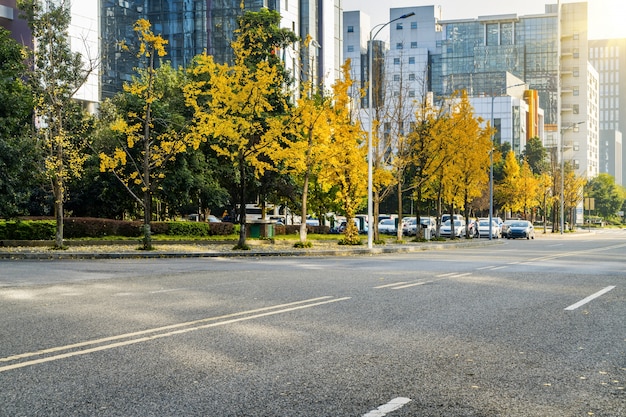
(446,229)
(483,229)
(387,226)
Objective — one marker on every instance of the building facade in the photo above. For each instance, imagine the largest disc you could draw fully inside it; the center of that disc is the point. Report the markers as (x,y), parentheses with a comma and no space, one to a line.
(546,52)
(182,22)
(608,56)
(83,32)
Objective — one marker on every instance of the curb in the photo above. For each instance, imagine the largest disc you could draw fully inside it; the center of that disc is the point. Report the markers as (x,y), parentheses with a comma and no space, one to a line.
(356,251)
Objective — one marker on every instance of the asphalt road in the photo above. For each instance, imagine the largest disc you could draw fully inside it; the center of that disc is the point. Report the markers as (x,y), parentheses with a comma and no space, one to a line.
(524,328)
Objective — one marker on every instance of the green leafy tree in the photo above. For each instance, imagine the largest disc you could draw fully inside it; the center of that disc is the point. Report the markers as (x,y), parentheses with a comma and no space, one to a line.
(56,76)
(18,151)
(608,198)
(536,156)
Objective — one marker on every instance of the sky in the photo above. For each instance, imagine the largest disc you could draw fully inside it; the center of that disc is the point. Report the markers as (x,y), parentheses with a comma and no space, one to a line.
(606,17)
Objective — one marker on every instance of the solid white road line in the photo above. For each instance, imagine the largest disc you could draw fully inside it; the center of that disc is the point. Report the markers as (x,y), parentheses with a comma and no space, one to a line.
(591,297)
(144,336)
(392,405)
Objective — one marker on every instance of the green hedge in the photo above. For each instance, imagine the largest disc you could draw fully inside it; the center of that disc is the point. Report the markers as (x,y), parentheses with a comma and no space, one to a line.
(27,230)
(85,227)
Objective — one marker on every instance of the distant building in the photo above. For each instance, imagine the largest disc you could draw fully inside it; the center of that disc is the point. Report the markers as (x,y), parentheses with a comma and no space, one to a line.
(546,52)
(608,57)
(83,35)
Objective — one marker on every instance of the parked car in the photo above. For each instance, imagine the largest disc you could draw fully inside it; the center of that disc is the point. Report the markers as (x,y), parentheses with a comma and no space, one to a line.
(409,226)
(505,227)
(483,229)
(498,222)
(446,217)
(446,229)
(521,229)
(387,226)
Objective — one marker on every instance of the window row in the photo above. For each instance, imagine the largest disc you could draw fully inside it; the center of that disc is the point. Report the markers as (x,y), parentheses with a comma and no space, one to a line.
(400,45)
(396,61)
(400,25)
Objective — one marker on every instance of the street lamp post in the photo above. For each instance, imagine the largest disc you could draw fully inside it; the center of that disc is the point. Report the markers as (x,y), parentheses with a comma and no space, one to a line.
(370,168)
(563,130)
(493,97)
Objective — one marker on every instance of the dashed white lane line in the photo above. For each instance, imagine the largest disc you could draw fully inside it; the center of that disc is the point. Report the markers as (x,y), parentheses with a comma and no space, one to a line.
(390,285)
(392,405)
(415,284)
(588,299)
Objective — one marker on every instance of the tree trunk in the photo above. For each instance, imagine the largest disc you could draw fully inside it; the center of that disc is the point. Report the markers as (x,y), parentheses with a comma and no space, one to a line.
(242,205)
(58,211)
(305,192)
(399,229)
(147,195)
(375,215)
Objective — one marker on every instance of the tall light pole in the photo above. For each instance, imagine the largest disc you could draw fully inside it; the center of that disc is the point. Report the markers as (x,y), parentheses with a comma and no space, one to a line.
(370,99)
(563,130)
(493,97)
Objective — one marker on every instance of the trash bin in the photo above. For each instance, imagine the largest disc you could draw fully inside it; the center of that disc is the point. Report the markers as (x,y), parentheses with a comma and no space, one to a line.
(260,228)
(426,231)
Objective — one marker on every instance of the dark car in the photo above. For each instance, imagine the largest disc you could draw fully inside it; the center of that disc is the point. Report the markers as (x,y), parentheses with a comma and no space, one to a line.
(521,229)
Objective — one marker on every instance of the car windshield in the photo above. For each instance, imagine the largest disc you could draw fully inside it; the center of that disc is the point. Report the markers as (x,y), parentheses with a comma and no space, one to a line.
(519,224)
(484,223)
(387,221)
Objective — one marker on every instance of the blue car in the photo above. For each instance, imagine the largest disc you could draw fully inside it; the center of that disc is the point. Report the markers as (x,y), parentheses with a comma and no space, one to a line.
(521,229)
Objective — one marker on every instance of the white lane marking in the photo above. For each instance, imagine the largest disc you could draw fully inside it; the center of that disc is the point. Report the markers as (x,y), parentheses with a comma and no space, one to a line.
(591,297)
(168,290)
(390,285)
(392,405)
(446,275)
(415,284)
(499,267)
(261,312)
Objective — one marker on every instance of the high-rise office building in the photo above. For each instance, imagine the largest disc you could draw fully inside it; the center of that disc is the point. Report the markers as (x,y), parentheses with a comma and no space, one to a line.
(182,23)
(608,56)
(194,26)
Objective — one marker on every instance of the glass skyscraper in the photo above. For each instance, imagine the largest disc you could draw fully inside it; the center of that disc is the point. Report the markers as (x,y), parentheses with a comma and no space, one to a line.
(182,22)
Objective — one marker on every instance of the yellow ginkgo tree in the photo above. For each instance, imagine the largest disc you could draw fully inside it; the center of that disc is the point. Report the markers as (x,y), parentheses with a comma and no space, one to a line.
(239,109)
(306,144)
(145,143)
(347,164)
(469,166)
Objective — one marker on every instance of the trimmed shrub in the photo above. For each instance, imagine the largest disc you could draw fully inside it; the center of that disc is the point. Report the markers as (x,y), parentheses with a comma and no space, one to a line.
(87,227)
(27,230)
(221,229)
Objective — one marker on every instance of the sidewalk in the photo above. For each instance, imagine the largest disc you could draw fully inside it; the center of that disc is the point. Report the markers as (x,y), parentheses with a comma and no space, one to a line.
(209,249)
